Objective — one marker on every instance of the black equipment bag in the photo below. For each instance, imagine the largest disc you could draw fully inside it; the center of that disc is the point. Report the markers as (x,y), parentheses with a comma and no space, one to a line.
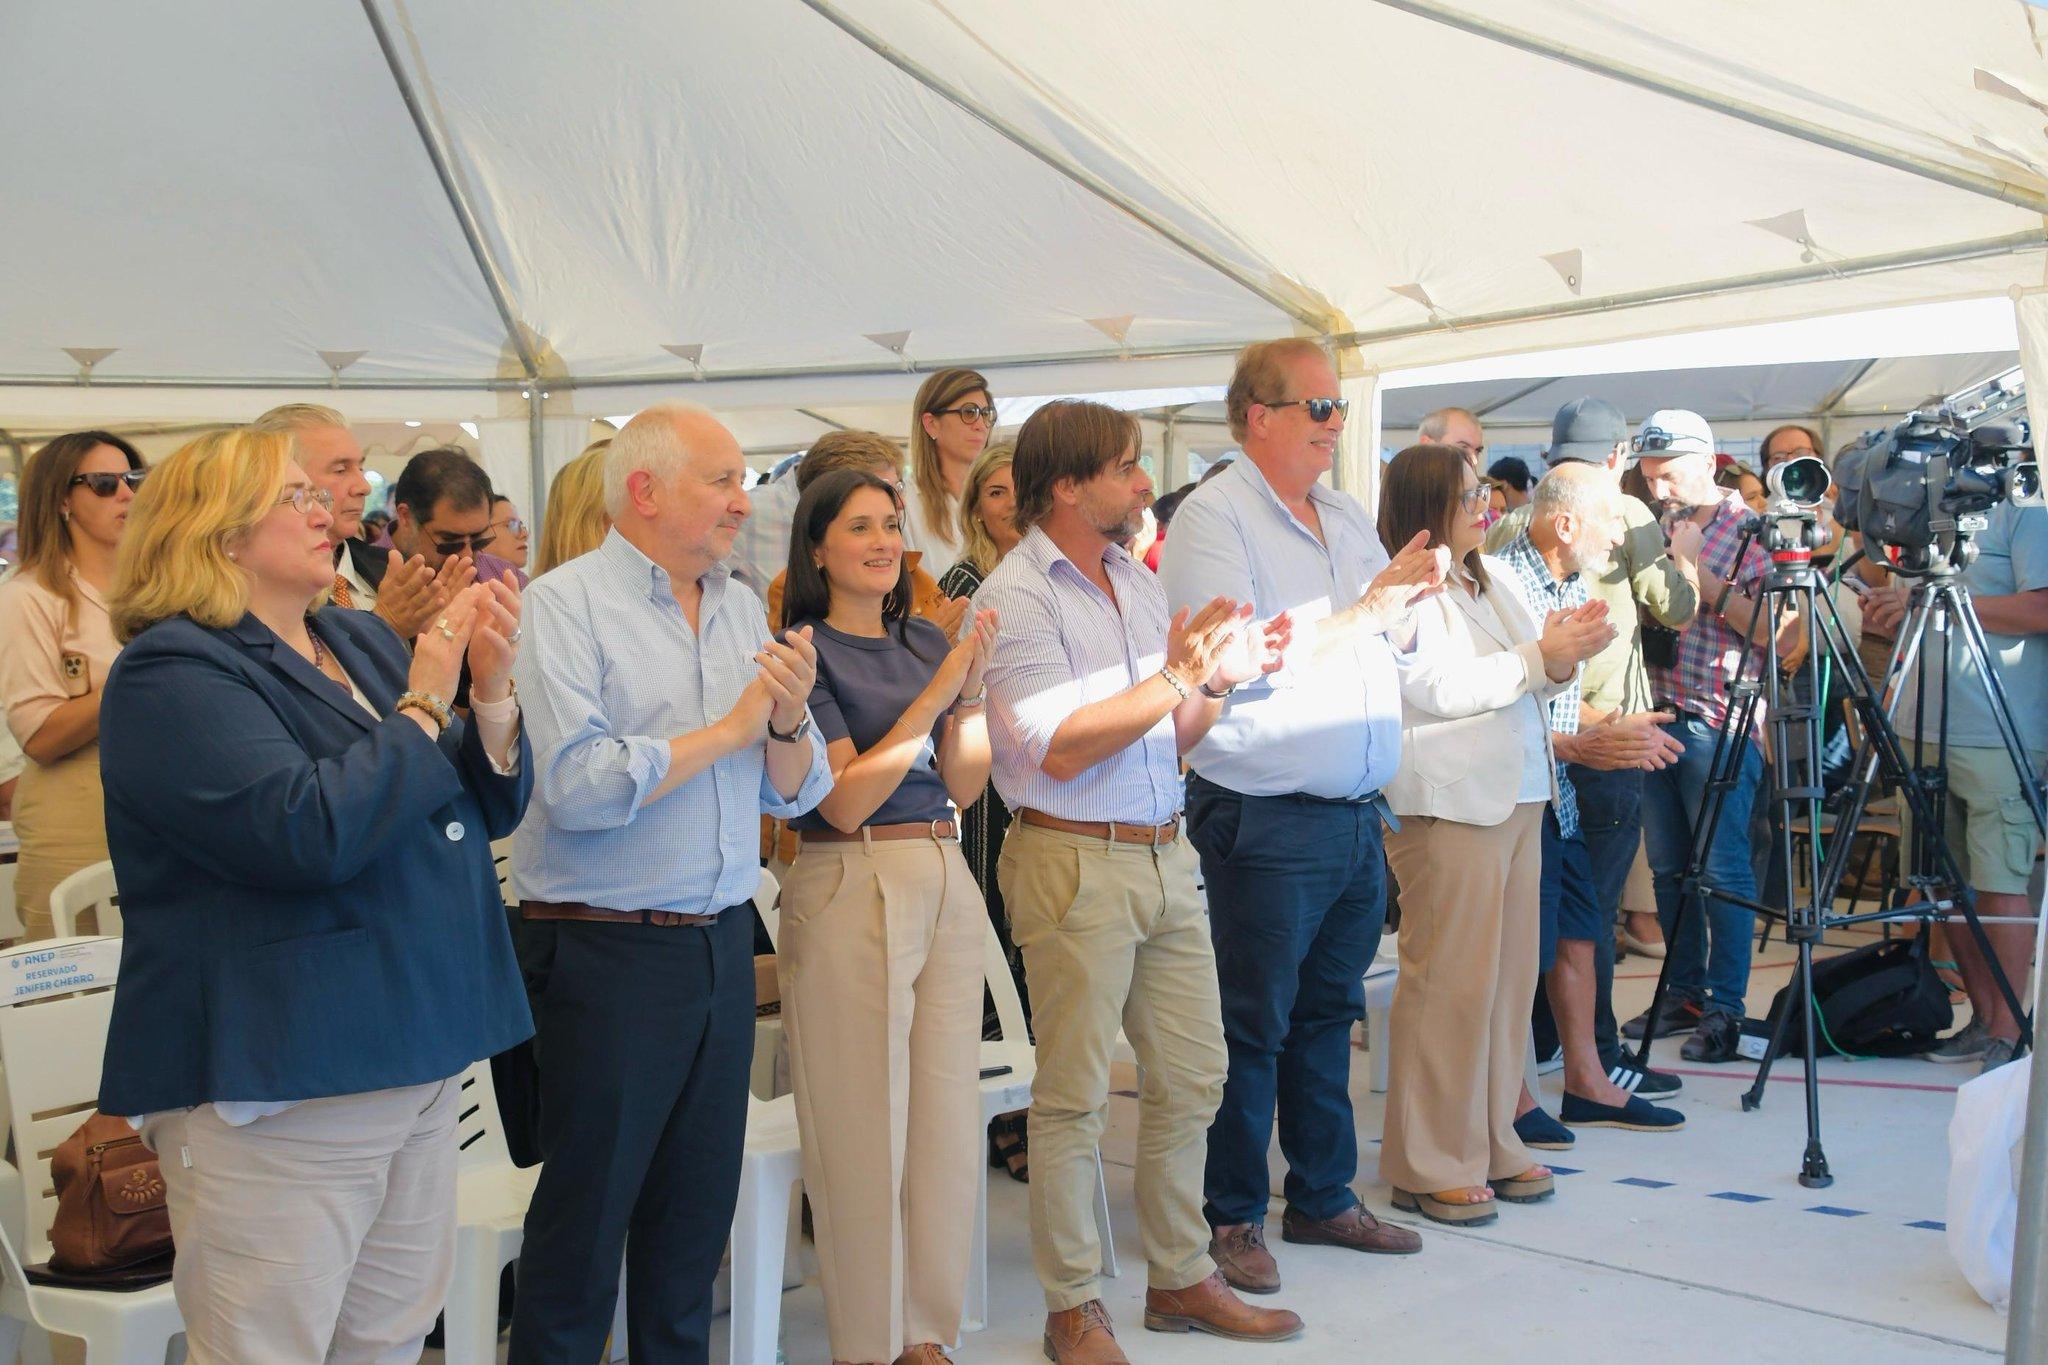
(1884,1000)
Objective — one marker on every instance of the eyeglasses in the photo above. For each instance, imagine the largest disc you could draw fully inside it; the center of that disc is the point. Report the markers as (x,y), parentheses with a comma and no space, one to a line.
(970,413)
(515,527)
(1319,409)
(103,485)
(303,498)
(456,544)
(1472,499)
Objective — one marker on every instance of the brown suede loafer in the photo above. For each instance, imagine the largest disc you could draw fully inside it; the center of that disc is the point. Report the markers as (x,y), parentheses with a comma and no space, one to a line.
(1082,1336)
(1239,1251)
(1353,1228)
(1212,1306)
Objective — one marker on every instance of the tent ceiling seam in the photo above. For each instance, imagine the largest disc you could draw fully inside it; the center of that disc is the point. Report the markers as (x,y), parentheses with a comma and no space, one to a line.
(1840,392)
(1954,177)
(1087,180)
(458,201)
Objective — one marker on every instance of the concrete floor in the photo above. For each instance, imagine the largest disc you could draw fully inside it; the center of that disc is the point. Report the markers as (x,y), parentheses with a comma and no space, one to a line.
(1693,1246)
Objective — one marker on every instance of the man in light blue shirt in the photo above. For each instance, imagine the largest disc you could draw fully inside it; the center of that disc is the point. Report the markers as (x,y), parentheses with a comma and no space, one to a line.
(664,720)
(1284,805)
(1990,825)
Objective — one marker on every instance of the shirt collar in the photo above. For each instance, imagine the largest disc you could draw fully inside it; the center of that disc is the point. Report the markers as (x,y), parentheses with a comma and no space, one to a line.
(637,570)
(1256,477)
(1040,550)
(1523,548)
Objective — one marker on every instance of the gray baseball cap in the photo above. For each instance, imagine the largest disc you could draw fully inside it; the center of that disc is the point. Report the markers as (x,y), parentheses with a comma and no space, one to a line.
(1586,429)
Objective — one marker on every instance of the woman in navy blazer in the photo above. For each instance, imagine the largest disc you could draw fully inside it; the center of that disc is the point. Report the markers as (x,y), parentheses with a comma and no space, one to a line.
(315,941)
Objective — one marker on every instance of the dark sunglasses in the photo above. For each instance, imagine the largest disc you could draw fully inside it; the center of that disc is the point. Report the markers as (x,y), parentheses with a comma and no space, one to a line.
(1653,439)
(1319,409)
(968,412)
(103,485)
(455,545)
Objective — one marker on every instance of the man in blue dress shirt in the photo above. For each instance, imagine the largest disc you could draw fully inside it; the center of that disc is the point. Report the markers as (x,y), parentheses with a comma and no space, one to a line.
(664,720)
(1284,805)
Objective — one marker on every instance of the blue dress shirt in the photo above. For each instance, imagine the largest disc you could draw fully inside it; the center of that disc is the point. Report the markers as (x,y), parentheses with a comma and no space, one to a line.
(610,673)
(1329,729)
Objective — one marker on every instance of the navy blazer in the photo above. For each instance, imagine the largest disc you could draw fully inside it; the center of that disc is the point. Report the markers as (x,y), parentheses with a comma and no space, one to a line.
(309,902)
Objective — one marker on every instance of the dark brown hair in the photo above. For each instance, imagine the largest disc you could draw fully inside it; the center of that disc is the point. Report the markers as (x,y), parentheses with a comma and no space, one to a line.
(861,450)
(1070,439)
(1812,439)
(45,487)
(1421,492)
(806,593)
(938,393)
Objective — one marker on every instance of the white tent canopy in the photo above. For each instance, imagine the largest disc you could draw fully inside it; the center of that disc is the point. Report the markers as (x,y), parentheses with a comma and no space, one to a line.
(477,211)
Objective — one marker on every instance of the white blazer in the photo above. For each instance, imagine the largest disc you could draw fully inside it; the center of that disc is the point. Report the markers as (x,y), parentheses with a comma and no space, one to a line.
(1461,731)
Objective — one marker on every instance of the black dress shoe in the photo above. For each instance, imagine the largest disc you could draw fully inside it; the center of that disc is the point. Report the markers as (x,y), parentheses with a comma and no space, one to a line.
(1650,1084)
(1714,1040)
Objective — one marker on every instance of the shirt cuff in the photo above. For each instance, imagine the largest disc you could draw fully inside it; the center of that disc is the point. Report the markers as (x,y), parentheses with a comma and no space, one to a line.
(497,726)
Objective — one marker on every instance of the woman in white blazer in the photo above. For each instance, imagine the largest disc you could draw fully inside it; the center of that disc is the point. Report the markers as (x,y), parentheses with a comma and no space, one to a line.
(1476,770)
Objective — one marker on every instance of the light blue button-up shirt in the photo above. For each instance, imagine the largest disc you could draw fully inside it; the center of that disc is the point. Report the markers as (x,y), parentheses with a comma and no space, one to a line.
(610,673)
(1062,645)
(1330,729)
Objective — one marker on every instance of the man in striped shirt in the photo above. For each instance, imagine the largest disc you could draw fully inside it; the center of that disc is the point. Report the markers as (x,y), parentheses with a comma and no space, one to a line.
(1575,522)
(1093,695)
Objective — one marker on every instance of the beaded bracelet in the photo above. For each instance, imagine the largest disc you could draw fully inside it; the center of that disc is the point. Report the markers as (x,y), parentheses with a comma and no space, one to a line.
(427,704)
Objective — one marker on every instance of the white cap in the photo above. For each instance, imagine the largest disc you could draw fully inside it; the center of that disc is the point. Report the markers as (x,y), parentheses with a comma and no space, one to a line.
(1673,431)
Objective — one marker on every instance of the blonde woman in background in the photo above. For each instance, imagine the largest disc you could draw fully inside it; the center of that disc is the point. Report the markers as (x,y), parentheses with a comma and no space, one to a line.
(56,645)
(952,418)
(575,521)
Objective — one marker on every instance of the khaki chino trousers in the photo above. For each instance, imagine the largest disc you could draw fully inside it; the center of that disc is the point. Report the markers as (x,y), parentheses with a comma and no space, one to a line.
(1115,934)
(880,963)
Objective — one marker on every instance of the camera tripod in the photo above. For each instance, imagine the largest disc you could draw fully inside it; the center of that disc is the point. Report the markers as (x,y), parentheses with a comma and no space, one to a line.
(1796,716)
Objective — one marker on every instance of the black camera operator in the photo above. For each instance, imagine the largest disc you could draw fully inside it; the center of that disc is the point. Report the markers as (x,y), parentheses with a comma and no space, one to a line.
(1989,828)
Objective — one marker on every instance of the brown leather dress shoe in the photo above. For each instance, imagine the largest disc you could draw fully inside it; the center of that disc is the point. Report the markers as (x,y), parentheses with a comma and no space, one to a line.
(1082,1336)
(1239,1251)
(1353,1228)
(1211,1306)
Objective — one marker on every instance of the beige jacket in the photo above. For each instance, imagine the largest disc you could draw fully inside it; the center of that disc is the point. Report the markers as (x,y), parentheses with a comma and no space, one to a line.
(1461,732)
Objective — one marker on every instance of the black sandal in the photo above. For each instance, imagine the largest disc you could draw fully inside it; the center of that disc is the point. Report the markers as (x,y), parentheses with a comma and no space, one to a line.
(1006,1147)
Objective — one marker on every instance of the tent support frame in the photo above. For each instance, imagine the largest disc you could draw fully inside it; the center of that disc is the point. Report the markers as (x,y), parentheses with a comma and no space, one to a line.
(1954,177)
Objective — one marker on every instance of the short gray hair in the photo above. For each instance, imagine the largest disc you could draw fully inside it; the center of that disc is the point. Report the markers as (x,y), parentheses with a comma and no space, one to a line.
(290,419)
(653,441)
(1584,490)
(1433,427)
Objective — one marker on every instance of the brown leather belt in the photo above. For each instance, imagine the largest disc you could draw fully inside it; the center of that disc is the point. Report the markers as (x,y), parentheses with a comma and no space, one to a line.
(592,914)
(1115,831)
(917,829)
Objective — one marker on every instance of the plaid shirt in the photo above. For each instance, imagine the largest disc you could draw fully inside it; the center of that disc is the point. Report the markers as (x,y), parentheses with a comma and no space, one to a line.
(1709,649)
(1545,594)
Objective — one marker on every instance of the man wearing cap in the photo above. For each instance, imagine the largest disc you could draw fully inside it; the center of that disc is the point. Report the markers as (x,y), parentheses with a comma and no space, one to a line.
(1709,967)
(1642,582)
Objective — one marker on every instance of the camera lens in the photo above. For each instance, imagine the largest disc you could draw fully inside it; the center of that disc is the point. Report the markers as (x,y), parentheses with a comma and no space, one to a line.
(1804,481)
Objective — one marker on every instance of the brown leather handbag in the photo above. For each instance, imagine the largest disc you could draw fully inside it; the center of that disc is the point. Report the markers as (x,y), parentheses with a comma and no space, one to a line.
(111,1213)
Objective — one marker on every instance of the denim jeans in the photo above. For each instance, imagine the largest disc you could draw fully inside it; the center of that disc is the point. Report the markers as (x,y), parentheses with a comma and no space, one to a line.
(1709,955)
(1611,823)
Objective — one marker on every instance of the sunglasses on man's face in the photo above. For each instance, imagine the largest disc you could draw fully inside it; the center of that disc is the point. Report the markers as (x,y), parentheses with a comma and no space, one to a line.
(445,545)
(1319,409)
(1657,441)
(103,485)
(971,413)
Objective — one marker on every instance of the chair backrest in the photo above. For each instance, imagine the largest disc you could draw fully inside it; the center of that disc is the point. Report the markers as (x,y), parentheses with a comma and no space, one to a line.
(501,857)
(1003,988)
(479,1130)
(89,888)
(10,915)
(52,1050)
(768,902)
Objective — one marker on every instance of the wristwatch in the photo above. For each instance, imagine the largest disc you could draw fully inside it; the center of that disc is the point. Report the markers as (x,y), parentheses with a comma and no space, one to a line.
(803,727)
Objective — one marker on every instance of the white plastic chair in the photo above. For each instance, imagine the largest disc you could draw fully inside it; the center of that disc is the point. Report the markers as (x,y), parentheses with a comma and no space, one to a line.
(51,1049)
(1381,976)
(766,1228)
(89,888)
(491,1195)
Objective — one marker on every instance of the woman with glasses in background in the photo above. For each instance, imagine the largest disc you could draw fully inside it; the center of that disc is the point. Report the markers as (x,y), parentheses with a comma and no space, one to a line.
(953,418)
(56,645)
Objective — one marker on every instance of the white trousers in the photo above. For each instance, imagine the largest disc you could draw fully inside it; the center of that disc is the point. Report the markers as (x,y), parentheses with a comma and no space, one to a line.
(324,1235)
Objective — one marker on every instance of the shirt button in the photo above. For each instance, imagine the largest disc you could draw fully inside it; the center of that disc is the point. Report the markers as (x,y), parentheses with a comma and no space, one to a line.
(455,831)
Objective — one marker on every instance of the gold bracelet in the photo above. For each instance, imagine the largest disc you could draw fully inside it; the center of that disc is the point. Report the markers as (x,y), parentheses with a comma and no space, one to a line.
(427,704)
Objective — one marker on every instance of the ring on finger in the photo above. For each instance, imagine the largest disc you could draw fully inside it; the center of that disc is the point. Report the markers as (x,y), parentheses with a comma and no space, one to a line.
(513,638)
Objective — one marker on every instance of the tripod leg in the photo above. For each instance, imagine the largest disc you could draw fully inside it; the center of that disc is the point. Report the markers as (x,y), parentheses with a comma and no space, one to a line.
(1813,1166)
(1754,1096)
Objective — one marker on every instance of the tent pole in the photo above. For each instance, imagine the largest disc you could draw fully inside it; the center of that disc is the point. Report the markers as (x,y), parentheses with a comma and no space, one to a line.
(1955,178)
(536,455)
(1086,179)
(472,229)
(303,382)
(1827,406)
